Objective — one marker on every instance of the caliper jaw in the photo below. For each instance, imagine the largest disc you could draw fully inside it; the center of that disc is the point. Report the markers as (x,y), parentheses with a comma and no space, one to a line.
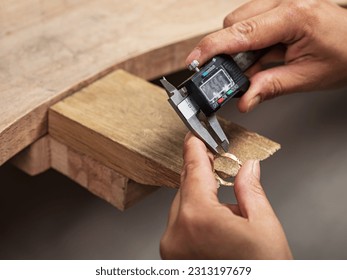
(208,130)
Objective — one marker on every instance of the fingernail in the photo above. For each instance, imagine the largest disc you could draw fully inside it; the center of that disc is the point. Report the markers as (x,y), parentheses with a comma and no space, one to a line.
(195,54)
(253,103)
(256,169)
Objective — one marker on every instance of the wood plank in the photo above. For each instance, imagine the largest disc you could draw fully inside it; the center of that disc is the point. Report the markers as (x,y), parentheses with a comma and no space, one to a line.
(16,15)
(59,48)
(34,159)
(97,178)
(31,12)
(127,124)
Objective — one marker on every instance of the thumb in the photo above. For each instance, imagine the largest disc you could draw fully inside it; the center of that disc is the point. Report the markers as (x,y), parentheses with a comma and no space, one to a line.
(249,192)
(198,183)
(279,80)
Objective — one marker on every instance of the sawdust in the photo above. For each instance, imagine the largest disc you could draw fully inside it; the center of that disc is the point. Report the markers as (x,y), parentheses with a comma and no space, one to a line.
(226,167)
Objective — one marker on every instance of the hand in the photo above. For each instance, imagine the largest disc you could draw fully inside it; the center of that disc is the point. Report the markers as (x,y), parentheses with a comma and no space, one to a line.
(309,37)
(200,227)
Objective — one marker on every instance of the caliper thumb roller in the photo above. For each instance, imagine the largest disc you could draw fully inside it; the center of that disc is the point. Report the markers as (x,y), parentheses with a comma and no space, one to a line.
(197,99)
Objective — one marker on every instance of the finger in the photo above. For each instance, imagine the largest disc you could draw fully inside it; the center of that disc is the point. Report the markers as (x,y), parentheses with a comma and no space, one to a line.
(279,80)
(198,182)
(249,192)
(257,67)
(259,32)
(234,208)
(274,57)
(249,10)
(275,54)
(174,209)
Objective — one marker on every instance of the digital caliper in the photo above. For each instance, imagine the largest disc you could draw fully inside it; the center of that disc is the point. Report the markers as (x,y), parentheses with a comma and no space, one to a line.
(202,95)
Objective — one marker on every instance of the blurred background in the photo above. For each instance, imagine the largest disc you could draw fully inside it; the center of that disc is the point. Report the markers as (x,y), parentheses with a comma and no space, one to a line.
(50,217)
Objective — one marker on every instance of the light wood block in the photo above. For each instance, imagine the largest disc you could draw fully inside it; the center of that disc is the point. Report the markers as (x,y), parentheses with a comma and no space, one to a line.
(127,124)
(99,179)
(34,159)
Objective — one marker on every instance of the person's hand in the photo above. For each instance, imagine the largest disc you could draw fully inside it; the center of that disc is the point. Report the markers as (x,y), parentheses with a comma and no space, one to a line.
(309,37)
(200,227)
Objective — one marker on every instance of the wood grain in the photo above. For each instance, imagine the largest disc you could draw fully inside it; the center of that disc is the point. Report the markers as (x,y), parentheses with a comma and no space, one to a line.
(32,12)
(34,159)
(244,145)
(49,50)
(127,124)
(97,178)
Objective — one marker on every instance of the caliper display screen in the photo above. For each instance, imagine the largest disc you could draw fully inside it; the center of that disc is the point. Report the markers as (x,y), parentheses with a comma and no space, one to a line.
(216,85)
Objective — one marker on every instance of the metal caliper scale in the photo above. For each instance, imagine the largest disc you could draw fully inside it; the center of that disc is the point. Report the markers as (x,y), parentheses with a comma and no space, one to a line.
(189,111)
